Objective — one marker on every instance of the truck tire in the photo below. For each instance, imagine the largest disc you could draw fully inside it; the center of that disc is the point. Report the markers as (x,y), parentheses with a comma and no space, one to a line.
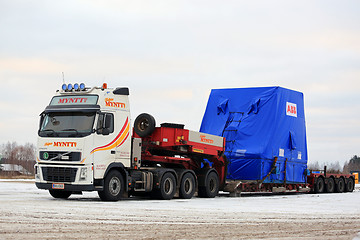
(211,188)
(330,185)
(319,185)
(167,187)
(144,125)
(187,186)
(113,187)
(60,194)
(350,184)
(340,186)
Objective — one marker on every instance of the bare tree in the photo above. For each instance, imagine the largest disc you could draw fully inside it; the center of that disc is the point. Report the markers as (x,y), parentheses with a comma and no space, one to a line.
(314,166)
(19,155)
(353,165)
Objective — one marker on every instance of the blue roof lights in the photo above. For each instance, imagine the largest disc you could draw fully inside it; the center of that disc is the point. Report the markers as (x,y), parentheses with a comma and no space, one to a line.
(69,87)
(76,87)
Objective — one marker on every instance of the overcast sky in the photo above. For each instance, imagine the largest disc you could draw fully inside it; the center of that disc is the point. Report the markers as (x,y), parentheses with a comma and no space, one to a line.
(172,53)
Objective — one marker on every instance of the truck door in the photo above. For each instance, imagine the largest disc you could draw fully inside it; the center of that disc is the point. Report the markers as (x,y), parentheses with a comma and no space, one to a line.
(104,149)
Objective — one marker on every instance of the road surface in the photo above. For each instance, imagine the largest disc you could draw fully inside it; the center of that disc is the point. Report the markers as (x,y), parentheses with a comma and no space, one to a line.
(29,213)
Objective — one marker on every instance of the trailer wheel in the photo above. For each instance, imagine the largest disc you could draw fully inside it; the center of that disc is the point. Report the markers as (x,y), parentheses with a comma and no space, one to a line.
(340,186)
(211,188)
(167,187)
(113,186)
(350,184)
(319,185)
(187,186)
(330,185)
(60,194)
(144,125)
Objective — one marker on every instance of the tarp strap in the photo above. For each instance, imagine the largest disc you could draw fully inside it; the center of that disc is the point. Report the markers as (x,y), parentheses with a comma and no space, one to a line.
(272,169)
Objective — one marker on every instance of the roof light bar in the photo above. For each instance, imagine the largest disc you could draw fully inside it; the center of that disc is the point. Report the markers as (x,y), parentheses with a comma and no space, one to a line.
(76,87)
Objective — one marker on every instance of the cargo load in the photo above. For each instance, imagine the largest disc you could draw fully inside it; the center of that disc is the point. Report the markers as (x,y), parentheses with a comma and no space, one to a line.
(265,132)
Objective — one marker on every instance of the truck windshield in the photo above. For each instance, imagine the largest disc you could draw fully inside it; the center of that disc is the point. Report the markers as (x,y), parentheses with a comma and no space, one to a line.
(67,124)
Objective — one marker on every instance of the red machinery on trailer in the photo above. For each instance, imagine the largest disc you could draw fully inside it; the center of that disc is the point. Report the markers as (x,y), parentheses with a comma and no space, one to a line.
(173,147)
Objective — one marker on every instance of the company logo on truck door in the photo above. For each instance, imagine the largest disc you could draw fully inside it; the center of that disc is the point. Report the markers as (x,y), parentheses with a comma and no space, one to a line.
(291,109)
(60,144)
(109,102)
(118,140)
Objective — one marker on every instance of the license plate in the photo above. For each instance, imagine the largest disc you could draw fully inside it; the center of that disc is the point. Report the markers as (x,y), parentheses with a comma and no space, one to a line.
(58,186)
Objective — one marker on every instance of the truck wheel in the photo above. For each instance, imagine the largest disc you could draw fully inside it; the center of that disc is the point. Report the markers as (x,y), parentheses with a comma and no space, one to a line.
(350,184)
(144,125)
(330,185)
(167,187)
(340,186)
(60,194)
(113,187)
(187,186)
(211,188)
(319,185)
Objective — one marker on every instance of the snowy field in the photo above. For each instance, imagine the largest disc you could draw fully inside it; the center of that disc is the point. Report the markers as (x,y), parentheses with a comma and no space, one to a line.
(29,213)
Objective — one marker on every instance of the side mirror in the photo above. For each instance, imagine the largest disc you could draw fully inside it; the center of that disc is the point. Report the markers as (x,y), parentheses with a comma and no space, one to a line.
(107,122)
(42,116)
(105,131)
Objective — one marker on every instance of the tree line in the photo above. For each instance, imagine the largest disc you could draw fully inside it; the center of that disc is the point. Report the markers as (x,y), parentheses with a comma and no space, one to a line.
(17,157)
(353,165)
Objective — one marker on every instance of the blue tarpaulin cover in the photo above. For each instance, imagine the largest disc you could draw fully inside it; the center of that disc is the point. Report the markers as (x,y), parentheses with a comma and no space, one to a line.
(260,124)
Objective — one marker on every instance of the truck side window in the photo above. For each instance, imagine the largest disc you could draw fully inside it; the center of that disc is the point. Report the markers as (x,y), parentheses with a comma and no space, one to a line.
(101,123)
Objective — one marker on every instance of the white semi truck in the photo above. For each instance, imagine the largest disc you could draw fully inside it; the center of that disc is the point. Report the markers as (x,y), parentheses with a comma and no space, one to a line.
(85,143)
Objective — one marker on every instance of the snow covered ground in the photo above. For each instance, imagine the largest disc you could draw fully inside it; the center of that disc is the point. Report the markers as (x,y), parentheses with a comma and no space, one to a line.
(27,212)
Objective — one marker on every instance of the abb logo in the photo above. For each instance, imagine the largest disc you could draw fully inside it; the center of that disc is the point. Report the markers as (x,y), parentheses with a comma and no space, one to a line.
(291,109)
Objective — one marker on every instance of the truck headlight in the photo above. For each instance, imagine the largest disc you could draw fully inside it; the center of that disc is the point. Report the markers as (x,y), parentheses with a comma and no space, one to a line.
(83,173)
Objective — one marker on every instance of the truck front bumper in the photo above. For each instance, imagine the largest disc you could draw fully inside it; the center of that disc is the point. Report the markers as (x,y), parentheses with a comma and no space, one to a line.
(68,187)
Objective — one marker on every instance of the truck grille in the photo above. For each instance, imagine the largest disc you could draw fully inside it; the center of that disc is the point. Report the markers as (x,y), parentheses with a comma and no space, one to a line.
(59,174)
(56,156)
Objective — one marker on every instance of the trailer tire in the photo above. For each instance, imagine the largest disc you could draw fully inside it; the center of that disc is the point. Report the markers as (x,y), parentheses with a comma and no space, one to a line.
(330,185)
(144,125)
(211,188)
(187,186)
(319,185)
(167,187)
(340,186)
(60,194)
(350,184)
(113,187)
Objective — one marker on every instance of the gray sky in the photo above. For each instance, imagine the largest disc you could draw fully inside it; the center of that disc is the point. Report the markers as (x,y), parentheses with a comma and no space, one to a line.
(172,53)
